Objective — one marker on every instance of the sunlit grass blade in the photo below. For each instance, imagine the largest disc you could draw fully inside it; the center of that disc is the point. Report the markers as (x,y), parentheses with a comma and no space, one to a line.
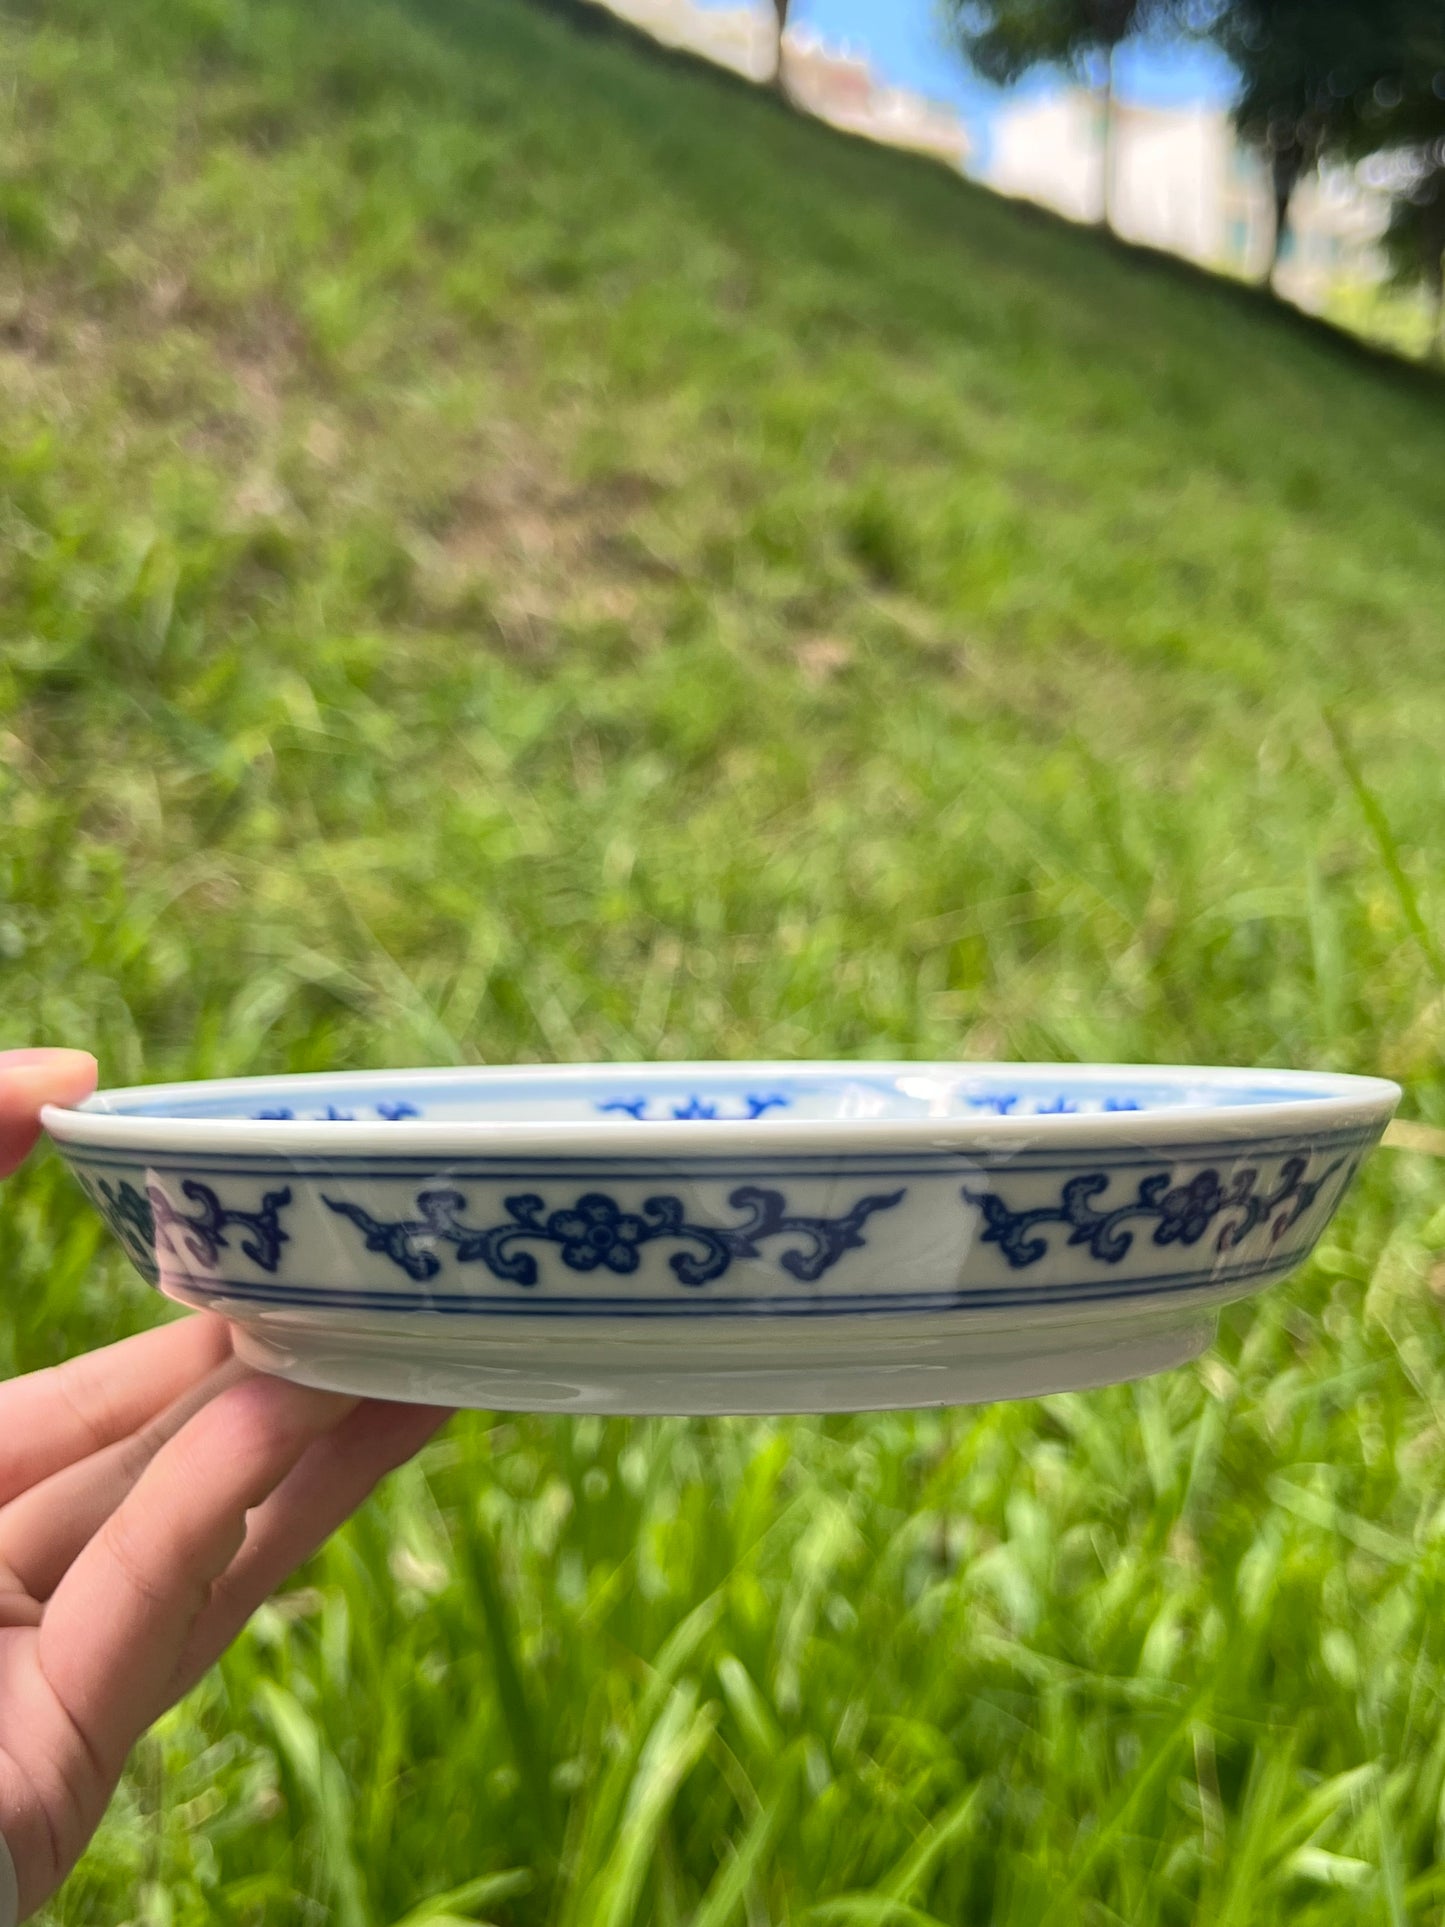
(868,1910)
(675,1744)
(614,1793)
(468,1901)
(909,1879)
(322,1787)
(728,1895)
(522,1719)
(1388,845)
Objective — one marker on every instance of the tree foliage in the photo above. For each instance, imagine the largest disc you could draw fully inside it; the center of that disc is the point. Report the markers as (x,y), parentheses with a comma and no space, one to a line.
(1332,78)
(1415,238)
(1005,38)
(1302,64)
(1318,79)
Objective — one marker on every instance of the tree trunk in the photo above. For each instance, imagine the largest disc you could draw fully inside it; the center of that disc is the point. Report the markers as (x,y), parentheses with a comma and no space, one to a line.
(1433,240)
(1284,169)
(780,79)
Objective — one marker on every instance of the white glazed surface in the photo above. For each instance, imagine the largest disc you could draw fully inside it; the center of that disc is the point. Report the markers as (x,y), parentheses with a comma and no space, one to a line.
(723,1237)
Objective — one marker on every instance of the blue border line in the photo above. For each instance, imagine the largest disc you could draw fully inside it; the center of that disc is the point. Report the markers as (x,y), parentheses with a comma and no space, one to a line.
(463,1304)
(942,1164)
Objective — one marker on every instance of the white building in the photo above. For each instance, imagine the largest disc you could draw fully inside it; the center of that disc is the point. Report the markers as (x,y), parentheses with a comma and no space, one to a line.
(744,38)
(1048,149)
(836,84)
(840,87)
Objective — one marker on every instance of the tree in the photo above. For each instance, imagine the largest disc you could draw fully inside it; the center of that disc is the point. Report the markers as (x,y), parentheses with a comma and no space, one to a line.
(1319,79)
(1004,39)
(1332,77)
(780,79)
(1397,121)
(1305,66)
(1401,125)
(1415,238)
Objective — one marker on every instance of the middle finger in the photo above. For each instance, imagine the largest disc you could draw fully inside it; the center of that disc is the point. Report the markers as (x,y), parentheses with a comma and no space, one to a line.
(43,1530)
(60,1416)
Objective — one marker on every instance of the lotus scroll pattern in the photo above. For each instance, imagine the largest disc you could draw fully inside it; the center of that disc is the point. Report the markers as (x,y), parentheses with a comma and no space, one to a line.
(1179,1212)
(149,1223)
(595,1233)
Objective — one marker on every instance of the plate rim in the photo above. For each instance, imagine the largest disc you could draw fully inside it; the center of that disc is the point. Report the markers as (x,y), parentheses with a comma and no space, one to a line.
(1327,1102)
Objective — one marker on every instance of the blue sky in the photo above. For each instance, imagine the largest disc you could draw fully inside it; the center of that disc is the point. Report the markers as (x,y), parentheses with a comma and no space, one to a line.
(905,45)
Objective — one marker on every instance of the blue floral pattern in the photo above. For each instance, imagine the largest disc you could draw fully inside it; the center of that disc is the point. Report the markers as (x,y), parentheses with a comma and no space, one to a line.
(148,1223)
(1180,1213)
(596,1233)
(390,1109)
(754,1105)
(744,1109)
(1007,1104)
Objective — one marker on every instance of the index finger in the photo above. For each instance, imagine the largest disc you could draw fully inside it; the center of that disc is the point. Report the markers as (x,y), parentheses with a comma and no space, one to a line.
(28,1079)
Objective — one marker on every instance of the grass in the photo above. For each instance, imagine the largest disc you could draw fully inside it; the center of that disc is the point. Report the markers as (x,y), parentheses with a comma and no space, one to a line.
(514,547)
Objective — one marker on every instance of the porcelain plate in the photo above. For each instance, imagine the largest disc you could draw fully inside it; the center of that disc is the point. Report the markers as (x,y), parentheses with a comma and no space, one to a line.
(723,1237)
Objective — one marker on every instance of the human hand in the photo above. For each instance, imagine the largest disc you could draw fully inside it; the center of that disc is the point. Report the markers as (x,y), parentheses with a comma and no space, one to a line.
(152,1495)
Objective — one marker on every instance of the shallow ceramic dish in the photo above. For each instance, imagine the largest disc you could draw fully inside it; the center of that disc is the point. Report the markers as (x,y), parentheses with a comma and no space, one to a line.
(723,1237)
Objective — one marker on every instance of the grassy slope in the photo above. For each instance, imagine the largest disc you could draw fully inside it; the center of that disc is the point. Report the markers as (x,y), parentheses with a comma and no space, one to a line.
(513,547)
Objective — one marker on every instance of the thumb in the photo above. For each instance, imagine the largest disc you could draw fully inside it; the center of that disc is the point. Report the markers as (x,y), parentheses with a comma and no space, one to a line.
(28,1079)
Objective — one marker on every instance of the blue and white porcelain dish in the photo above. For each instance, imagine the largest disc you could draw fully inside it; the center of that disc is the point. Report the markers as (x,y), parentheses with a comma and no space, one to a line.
(713,1238)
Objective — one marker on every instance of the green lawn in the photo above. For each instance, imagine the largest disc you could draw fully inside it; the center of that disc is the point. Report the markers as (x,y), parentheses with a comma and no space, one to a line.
(512,546)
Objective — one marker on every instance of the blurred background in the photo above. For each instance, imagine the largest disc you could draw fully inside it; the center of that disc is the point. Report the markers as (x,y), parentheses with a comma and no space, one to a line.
(1298,143)
(520,543)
